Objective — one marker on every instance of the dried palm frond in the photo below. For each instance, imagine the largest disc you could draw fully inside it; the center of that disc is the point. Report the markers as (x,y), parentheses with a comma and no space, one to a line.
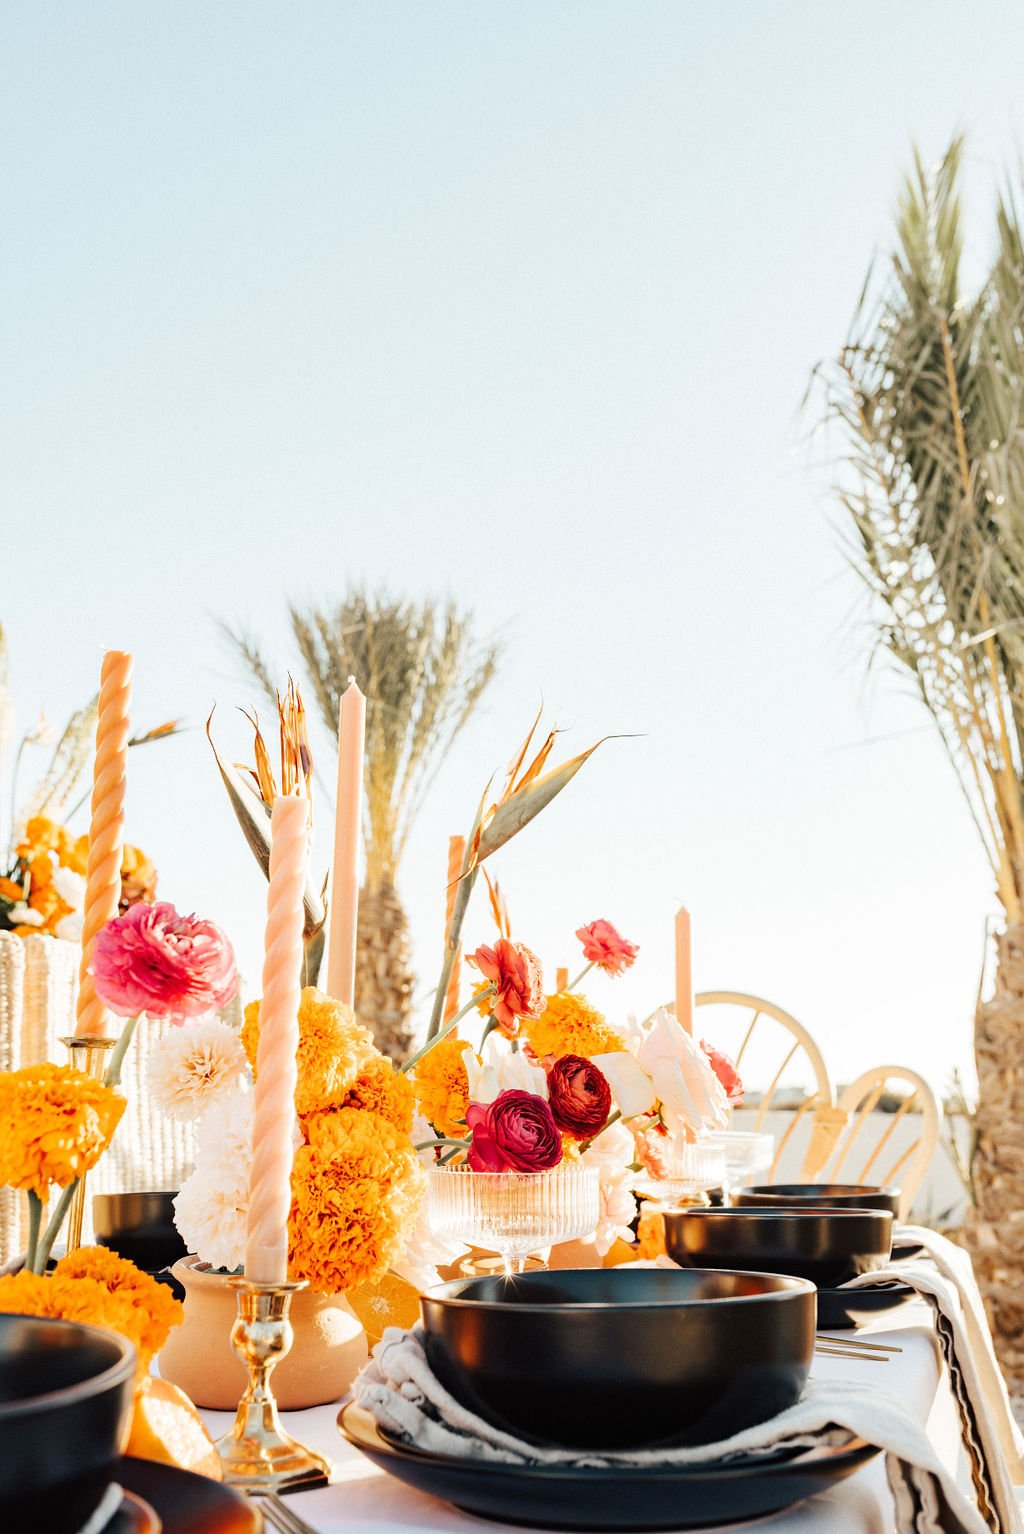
(929,393)
(71,756)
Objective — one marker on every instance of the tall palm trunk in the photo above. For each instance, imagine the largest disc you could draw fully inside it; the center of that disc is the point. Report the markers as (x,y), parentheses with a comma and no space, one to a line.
(996,1229)
(384,979)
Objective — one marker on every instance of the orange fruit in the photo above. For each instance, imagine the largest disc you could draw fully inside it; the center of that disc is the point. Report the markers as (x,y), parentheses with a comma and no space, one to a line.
(167,1427)
(385,1301)
(619,1252)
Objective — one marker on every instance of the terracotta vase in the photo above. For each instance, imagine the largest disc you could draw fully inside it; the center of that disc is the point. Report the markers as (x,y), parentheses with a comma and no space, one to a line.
(327,1353)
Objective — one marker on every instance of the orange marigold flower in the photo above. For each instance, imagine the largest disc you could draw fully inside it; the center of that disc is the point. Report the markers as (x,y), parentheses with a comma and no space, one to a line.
(41,835)
(155,1310)
(55,1124)
(441,1084)
(356,1188)
(40,868)
(569,1025)
(483,1003)
(72,851)
(333,1049)
(650,1234)
(9,890)
(379,1088)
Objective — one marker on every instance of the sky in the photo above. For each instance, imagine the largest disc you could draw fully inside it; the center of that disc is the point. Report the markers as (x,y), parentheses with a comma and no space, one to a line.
(514,303)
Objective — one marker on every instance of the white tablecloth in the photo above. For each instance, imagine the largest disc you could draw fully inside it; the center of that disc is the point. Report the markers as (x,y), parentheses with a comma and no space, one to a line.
(364,1499)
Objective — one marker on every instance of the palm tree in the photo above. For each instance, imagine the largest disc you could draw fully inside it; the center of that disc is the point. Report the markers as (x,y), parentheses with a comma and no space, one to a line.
(423,672)
(929,396)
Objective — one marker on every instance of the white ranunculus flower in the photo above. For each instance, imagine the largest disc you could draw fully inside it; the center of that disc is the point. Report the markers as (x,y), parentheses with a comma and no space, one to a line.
(667,1069)
(617,1213)
(191,1067)
(225,1130)
(419,1262)
(70,887)
(502,1070)
(612,1151)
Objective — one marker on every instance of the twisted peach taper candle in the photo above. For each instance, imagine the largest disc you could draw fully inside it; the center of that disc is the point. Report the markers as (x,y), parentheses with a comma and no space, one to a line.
(270,1193)
(106,832)
(456,855)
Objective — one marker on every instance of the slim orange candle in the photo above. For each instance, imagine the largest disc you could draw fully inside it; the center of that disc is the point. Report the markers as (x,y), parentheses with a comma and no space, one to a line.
(684,970)
(106,832)
(341,953)
(270,1194)
(456,854)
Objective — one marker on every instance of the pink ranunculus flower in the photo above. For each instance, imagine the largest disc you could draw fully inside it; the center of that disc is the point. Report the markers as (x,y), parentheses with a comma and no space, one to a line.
(515,1133)
(607,948)
(515,973)
(725,1070)
(153,960)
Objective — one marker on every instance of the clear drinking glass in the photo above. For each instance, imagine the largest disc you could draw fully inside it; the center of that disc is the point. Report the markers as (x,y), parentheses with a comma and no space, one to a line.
(691,1169)
(747,1153)
(513,1213)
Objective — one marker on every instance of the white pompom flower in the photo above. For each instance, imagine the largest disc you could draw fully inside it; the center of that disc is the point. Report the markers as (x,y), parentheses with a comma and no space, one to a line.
(191,1068)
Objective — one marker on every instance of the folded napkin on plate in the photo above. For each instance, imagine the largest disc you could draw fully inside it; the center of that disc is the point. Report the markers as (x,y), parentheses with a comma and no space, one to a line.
(984,1409)
(399,1390)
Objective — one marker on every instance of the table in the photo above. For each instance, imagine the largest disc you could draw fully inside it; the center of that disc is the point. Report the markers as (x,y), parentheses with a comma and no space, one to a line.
(362,1499)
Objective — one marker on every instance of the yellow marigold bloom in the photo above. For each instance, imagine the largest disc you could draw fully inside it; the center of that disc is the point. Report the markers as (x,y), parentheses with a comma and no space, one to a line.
(356,1188)
(333,1049)
(55,1124)
(442,1087)
(155,1310)
(569,1025)
(379,1088)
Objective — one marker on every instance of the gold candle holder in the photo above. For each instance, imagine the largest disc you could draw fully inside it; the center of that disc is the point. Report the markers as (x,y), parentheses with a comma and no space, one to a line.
(89,1055)
(257,1454)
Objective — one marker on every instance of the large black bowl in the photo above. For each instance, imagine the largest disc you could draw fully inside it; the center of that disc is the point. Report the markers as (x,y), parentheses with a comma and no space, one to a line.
(828,1246)
(65,1411)
(622,1357)
(826,1195)
(139,1226)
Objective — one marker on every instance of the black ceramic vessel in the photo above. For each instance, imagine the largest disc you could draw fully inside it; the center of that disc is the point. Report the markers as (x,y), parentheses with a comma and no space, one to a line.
(826,1195)
(622,1357)
(65,1410)
(828,1246)
(139,1226)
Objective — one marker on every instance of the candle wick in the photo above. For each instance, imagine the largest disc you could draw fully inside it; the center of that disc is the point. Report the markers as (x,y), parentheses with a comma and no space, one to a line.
(351,681)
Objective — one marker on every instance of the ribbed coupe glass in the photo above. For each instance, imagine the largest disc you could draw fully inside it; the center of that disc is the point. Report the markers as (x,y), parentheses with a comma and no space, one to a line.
(513,1213)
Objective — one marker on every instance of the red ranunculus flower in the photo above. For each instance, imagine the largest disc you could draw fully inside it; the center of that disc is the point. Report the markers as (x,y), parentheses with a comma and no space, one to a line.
(606,948)
(579,1096)
(515,1133)
(519,985)
(153,960)
(725,1070)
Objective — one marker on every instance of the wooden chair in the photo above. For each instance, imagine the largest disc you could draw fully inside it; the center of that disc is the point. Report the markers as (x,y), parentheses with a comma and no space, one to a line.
(788,1042)
(908,1167)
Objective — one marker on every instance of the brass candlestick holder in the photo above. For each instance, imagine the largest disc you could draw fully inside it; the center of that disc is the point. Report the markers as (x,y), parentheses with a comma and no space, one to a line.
(257,1454)
(89,1055)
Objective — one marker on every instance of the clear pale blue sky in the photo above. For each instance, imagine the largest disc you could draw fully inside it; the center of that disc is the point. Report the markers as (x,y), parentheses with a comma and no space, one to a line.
(515,301)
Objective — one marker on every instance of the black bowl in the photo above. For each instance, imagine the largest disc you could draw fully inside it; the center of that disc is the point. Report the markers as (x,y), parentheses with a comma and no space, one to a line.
(65,1412)
(139,1226)
(622,1357)
(828,1246)
(826,1195)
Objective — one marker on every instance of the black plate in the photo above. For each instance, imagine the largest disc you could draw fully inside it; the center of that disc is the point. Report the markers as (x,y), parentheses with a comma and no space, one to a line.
(134,1516)
(567,1497)
(187,1503)
(839,1308)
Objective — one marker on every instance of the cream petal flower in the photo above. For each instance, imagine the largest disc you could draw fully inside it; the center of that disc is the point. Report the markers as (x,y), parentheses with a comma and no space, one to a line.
(690,1093)
(502,1070)
(193,1066)
(210,1211)
(632,1088)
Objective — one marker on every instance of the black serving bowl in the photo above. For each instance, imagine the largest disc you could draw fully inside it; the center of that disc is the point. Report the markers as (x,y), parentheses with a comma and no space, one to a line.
(620,1358)
(139,1226)
(65,1412)
(826,1195)
(828,1246)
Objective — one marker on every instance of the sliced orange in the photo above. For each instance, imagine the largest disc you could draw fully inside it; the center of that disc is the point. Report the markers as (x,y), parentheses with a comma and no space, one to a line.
(651,1236)
(619,1252)
(167,1427)
(385,1301)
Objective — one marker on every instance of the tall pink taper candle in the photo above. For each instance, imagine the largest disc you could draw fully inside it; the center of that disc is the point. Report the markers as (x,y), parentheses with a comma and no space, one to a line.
(341,950)
(684,970)
(106,832)
(270,1194)
(456,855)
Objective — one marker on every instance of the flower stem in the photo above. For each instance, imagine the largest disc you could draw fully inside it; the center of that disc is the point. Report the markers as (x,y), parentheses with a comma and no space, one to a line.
(582,975)
(53,1228)
(489,1027)
(117,1054)
(35,1215)
(445,1031)
(440,1140)
(452,941)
